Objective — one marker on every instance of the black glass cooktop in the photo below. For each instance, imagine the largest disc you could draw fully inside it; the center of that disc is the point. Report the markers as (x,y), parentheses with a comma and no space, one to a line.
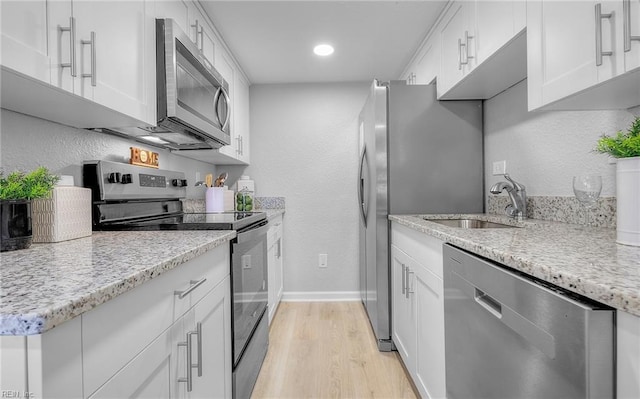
(190,221)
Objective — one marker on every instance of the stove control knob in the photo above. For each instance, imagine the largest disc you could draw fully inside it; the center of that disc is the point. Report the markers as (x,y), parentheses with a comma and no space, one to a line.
(114,177)
(126,179)
(179,182)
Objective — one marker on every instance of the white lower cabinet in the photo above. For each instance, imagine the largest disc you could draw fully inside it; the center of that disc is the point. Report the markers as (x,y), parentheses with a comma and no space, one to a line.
(135,345)
(275,265)
(418,308)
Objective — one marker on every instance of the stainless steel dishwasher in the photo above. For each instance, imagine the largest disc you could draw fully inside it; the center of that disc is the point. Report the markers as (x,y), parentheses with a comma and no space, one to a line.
(510,336)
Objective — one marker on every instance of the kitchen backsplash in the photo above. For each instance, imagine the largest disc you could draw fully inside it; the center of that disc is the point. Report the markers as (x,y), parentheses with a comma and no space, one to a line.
(269,202)
(560,209)
(198,205)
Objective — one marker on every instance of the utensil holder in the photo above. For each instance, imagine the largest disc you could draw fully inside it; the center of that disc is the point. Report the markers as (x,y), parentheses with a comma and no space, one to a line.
(214,199)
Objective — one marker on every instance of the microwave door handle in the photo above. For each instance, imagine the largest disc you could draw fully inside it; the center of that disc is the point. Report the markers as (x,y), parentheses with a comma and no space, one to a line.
(216,98)
(227,101)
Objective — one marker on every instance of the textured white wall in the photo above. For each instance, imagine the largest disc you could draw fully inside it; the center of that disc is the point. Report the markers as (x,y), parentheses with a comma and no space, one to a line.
(545,149)
(304,146)
(29,142)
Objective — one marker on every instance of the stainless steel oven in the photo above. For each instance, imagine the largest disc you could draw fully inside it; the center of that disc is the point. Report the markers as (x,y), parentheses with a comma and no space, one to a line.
(128,197)
(250,323)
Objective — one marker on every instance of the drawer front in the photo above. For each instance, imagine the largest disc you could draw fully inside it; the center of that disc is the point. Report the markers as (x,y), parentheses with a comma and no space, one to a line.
(117,330)
(425,249)
(206,272)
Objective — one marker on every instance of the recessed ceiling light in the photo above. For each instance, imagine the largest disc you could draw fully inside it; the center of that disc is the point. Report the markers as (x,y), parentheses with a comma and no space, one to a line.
(323,49)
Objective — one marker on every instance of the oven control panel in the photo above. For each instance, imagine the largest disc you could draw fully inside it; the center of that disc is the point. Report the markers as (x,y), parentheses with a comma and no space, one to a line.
(121,181)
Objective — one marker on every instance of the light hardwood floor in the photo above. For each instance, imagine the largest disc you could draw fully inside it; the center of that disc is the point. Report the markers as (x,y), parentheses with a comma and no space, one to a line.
(327,350)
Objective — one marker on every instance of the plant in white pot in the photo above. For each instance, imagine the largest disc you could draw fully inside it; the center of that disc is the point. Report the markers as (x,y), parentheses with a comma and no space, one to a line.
(17,190)
(625,146)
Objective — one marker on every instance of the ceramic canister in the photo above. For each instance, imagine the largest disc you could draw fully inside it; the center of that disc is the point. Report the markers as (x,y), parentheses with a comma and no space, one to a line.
(628,201)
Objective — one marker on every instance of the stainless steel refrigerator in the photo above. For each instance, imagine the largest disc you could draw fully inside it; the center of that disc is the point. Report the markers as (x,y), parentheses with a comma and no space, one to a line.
(417,155)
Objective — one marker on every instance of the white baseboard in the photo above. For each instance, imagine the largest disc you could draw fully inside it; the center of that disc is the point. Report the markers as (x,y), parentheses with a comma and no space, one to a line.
(321,296)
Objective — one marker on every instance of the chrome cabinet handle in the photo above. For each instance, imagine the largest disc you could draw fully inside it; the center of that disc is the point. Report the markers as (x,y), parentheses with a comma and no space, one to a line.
(404,279)
(72,46)
(409,289)
(189,378)
(466,47)
(459,54)
(626,25)
(194,284)
(198,332)
(92,43)
(197,26)
(279,249)
(599,17)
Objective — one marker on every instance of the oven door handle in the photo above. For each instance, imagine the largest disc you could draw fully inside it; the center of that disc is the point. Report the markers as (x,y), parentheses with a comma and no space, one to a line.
(252,234)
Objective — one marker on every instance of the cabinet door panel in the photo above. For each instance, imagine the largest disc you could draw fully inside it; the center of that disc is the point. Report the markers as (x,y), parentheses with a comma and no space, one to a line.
(124,54)
(451,31)
(497,23)
(562,56)
(403,308)
(430,358)
(24,38)
(148,375)
(214,314)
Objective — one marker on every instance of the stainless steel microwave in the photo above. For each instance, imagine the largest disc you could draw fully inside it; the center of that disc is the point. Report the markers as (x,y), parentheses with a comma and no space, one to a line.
(193,103)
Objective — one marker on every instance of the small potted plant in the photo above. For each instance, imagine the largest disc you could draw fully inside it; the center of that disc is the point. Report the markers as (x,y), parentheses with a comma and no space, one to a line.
(625,146)
(17,190)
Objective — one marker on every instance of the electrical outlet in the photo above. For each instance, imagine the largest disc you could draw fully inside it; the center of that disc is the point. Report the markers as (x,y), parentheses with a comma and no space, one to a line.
(245,260)
(499,168)
(322,260)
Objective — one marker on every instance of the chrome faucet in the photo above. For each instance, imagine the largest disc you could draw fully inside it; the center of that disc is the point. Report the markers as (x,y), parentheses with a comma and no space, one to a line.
(517,194)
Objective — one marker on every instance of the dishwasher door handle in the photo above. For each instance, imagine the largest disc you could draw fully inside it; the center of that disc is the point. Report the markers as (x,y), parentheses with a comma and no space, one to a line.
(486,301)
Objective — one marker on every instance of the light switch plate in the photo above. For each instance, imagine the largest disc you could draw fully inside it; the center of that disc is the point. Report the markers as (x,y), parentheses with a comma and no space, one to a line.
(499,168)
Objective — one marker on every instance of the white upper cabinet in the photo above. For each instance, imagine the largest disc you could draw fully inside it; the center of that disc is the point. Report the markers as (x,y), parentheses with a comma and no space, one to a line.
(497,22)
(116,59)
(576,54)
(483,49)
(241,117)
(457,45)
(629,31)
(201,33)
(24,38)
(87,56)
(425,67)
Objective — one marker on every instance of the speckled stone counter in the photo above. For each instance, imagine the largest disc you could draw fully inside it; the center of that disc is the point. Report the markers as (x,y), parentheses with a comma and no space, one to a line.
(586,261)
(48,284)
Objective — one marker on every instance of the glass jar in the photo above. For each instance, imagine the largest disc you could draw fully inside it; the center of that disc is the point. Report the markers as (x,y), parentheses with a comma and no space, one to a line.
(245,194)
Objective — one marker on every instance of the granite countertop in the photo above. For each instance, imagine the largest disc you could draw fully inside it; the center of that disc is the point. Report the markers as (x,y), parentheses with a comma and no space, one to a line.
(583,260)
(48,284)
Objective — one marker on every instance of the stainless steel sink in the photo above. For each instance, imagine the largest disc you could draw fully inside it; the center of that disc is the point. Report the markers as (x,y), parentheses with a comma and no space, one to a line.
(470,223)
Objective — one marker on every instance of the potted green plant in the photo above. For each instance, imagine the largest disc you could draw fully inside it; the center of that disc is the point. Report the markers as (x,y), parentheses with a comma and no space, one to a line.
(625,146)
(17,190)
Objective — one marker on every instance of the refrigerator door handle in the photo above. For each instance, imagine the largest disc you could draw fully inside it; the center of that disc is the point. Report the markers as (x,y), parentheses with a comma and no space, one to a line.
(361,186)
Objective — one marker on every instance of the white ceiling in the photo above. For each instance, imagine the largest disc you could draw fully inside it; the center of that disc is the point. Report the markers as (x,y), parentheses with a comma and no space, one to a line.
(273,40)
